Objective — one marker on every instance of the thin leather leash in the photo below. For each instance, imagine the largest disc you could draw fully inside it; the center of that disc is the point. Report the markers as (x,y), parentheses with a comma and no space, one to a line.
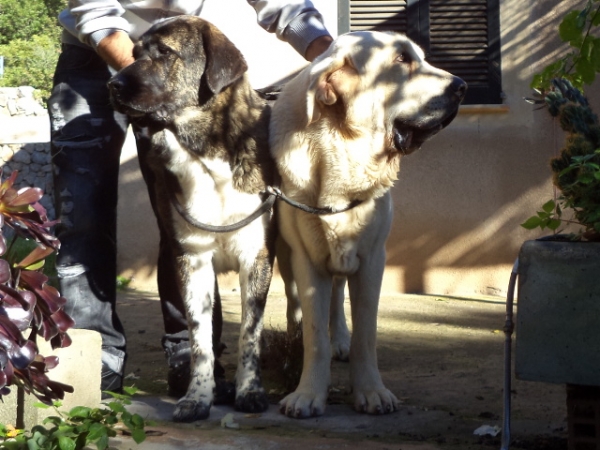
(272,193)
(275,191)
(265,206)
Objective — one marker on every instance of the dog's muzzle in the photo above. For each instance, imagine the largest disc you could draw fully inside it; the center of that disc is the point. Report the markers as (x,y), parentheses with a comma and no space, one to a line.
(409,136)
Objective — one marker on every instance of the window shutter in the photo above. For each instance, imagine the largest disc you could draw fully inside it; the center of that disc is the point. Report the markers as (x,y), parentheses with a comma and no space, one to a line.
(460,36)
(378,15)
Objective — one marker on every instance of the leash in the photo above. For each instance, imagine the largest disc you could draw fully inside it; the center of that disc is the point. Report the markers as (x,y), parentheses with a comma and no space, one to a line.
(310,209)
(273,193)
(265,206)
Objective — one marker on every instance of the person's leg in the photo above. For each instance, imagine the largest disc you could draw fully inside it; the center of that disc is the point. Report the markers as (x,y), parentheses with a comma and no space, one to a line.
(86,140)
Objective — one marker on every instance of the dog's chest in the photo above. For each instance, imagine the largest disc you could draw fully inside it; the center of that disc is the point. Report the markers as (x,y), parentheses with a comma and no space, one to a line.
(209,196)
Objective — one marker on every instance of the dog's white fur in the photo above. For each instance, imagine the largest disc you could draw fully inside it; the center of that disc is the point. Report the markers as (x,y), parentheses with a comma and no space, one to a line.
(332,136)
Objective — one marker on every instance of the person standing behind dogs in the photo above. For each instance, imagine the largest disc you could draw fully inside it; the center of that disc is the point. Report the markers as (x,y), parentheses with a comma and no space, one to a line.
(86,140)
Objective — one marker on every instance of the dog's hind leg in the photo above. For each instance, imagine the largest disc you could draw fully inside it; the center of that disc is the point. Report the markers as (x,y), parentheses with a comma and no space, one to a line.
(339,334)
(197,285)
(293,312)
(254,283)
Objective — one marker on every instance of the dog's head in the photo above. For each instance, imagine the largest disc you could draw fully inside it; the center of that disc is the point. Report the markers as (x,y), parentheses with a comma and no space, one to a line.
(179,63)
(382,79)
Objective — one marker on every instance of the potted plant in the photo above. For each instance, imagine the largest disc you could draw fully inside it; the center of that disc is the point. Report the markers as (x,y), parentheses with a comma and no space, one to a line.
(558,319)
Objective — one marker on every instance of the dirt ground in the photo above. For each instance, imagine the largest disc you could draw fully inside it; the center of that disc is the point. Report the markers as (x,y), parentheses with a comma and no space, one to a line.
(442,356)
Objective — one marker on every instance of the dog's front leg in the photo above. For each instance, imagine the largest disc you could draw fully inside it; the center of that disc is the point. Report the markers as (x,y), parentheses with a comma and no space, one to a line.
(254,283)
(370,395)
(197,282)
(310,397)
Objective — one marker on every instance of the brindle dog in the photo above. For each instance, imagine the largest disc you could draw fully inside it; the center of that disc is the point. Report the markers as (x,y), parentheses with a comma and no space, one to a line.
(209,154)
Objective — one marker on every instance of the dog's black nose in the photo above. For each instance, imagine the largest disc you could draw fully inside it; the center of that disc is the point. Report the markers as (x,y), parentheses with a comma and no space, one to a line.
(459,87)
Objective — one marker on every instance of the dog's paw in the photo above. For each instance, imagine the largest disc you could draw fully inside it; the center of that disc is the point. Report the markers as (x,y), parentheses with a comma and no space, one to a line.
(252,401)
(191,410)
(379,401)
(303,405)
(340,346)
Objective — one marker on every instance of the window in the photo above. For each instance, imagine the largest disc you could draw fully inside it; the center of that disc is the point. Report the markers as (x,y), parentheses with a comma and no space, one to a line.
(460,36)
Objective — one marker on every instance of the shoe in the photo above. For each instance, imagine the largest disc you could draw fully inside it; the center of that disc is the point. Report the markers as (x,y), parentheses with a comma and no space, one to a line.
(111,381)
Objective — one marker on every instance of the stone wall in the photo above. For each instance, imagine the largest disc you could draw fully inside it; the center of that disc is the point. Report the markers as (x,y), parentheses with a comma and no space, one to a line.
(27,151)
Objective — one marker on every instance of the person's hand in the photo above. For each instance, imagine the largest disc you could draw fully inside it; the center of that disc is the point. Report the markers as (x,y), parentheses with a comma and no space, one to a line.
(116,49)
(318,46)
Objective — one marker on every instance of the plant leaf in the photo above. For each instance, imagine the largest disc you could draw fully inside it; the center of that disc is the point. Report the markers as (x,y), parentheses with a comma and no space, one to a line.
(66,443)
(138,435)
(80,411)
(571,27)
(553,224)
(38,254)
(532,223)
(27,196)
(549,206)
(586,69)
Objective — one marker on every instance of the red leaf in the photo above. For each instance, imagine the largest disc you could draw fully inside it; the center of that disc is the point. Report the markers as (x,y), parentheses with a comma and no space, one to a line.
(36,281)
(61,340)
(17,315)
(20,356)
(8,183)
(5,273)
(10,331)
(27,196)
(14,297)
(62,320)
(51,362)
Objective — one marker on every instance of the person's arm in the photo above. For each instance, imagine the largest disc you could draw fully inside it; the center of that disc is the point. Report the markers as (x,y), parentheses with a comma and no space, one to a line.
(296,22)
(318,46)
(99,23)
(116,49)
(91,21)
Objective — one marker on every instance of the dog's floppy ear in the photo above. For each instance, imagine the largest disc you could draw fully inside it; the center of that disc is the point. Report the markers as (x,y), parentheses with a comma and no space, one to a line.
(224,62)
(320,90)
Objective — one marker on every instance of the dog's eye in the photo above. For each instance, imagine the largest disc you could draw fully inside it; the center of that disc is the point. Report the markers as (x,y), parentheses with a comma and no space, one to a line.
(163,49)
(404,57)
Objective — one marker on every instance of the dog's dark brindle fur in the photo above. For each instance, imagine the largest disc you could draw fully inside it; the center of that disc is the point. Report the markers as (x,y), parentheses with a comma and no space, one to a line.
(209,134)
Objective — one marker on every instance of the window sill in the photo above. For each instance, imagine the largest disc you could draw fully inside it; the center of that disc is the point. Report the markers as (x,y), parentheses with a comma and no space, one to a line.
(483,109)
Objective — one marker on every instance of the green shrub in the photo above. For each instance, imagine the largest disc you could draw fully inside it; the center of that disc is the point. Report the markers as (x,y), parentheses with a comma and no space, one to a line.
(21,19)
(78,428)
(30,62)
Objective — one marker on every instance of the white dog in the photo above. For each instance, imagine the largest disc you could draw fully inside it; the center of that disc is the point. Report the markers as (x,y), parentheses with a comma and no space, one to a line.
(338,132)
